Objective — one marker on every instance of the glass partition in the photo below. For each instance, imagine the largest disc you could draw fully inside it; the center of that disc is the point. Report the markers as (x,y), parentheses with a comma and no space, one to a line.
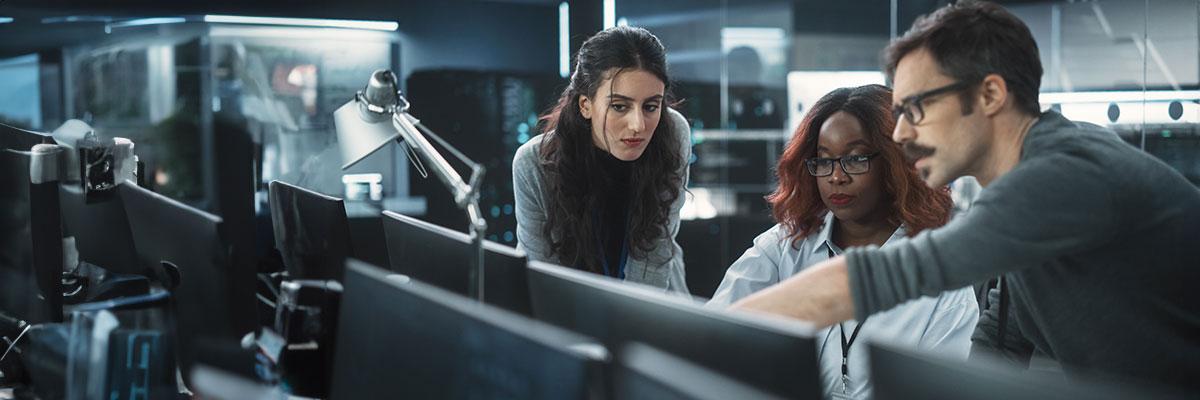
(180,92)
(20,98)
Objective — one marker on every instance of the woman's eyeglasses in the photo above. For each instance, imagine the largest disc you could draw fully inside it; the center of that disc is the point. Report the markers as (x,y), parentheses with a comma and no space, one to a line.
(852,164)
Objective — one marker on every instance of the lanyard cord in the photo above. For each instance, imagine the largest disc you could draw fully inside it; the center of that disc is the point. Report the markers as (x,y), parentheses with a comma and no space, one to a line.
(620,273)
(846,343)
(1003,314)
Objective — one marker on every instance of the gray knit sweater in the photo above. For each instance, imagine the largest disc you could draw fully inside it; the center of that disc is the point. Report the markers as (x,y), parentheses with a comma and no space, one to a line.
(1098,241)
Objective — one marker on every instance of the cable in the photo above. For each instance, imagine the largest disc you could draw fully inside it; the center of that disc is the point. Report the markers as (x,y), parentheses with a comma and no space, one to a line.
(270,284)
(14,342)
(265,300)
(453,151)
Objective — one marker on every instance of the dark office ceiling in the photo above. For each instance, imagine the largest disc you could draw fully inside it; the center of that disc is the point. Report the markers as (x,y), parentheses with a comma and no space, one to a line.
(1090,28)
(27,33)
(297,8)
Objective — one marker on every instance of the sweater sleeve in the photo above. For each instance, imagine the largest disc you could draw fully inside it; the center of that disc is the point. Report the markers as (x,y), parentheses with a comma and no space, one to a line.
(1046,207)
(530,211)
(677,278)
(667,254)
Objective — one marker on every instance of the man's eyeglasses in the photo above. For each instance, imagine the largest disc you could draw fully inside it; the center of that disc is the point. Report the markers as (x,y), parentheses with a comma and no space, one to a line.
(911,107)
(852,164)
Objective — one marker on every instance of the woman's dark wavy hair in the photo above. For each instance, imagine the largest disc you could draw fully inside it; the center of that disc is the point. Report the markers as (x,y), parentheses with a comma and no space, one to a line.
(797,203)
(569,165)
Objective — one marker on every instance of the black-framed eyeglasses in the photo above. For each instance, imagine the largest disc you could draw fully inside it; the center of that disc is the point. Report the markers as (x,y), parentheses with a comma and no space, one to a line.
(912,107)
(852,164)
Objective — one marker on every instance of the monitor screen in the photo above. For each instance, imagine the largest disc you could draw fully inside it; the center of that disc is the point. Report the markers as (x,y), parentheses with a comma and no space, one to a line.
(101,231)
(400,338)
(441,257)
(773,355)
(643,372)
(311,231)
(214,302)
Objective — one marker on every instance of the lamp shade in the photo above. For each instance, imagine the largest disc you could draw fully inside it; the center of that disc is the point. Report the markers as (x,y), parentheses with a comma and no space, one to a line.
(358,138)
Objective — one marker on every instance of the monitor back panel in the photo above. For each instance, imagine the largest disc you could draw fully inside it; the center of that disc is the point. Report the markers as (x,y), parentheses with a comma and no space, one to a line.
(212,309)
(312,231)
(441,257)
(774,358)
(101,231)
(406,339)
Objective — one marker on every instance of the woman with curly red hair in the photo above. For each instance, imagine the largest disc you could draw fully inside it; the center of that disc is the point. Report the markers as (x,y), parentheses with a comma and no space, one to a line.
(844,183)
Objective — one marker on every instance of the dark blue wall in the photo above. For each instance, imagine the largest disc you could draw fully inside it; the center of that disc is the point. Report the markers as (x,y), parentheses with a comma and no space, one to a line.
(479,35)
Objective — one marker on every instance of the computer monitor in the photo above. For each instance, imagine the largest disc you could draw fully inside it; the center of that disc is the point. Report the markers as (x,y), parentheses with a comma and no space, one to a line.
(400,338)
(19,139)
(904,374)
(311,231)
(213,302)
(643,372)
(31,257)
(441,257)
(101,231)
(773,355)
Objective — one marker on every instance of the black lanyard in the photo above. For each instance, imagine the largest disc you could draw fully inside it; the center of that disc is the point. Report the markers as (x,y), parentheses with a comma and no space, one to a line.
(846,343)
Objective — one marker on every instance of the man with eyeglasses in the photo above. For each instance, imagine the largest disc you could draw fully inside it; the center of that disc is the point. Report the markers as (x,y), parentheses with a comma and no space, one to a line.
(1097,242)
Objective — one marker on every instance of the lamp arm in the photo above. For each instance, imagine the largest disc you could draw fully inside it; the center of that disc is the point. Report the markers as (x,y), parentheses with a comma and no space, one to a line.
(466,194)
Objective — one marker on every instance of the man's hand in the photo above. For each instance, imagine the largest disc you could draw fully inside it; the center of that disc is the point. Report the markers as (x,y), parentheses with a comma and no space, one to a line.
(820,294)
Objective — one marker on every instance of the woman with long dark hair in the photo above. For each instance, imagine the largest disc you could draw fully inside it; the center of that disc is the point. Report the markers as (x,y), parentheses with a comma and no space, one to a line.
(600,189)
(844,183)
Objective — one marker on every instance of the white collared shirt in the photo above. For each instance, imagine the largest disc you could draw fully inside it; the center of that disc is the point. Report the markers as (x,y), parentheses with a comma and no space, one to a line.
(941,325)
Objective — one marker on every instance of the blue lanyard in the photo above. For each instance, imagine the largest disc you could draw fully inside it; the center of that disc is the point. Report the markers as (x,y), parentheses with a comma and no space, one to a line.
(621,264)
(624,248)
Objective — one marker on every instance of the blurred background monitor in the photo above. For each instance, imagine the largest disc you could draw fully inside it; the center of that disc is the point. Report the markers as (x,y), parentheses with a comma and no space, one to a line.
(904,374)
(311,231)
(401,338)
(213,300)
(441,257)
(15,138)
(30,288)
(773,355)
(643,372)
(101,231)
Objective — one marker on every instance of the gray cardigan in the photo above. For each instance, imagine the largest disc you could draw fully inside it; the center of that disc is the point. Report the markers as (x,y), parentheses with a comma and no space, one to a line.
(531,215)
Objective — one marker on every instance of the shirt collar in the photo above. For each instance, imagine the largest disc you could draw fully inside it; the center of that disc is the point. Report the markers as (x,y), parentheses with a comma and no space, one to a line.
(824,238)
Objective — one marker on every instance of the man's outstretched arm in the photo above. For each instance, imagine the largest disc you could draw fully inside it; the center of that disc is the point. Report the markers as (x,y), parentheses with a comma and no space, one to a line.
(819,294)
